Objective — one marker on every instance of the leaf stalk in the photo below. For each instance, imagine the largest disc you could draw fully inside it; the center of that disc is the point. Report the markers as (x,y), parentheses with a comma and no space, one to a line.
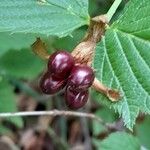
(113,9)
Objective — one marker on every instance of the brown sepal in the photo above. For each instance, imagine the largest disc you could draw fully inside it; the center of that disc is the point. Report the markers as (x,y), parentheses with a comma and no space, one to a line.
(39,48)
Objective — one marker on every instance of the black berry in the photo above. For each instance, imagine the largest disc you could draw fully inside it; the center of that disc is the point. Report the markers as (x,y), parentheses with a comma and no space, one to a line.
(75,99)
(60,64)
(51,85)
(81,77)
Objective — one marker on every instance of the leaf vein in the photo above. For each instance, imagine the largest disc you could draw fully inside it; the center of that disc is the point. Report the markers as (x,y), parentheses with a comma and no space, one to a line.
(118,82)
(127,62)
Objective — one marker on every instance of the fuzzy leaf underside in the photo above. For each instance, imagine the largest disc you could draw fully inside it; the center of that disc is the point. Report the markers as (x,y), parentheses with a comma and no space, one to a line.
(49,17)
(122,60)
(21,22)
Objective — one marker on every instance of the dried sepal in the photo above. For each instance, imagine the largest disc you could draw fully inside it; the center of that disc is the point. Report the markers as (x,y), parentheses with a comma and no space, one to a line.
(39,48)
(112,94)
(84,51)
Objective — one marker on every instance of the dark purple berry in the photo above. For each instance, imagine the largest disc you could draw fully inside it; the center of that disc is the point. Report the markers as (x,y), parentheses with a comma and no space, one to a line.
(81,77)
(75,99)
(60,64)
(50,85)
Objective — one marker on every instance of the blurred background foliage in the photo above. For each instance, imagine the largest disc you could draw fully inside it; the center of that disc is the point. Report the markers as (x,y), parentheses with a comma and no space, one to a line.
(20,70)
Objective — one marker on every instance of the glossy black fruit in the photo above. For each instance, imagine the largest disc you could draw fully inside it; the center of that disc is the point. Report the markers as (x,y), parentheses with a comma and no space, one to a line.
(51,85)
(60,64)
(75,99)
(81,78)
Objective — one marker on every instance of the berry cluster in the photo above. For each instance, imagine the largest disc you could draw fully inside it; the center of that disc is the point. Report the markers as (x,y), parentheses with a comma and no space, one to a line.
(62,71)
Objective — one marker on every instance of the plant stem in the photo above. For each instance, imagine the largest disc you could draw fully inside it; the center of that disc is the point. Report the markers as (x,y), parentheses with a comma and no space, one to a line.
(52,113)
(113,9)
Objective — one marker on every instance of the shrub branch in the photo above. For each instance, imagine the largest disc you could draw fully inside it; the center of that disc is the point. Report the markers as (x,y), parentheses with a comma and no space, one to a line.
(53,113)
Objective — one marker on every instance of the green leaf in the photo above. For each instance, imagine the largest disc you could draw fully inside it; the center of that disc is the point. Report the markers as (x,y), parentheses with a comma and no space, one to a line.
(122,60)
(21,64)
(94,8)
(8,103)
(69,42)
(117,141)
(102,113)
(135,20)
(98,128)
(15,41)
(143,132)
(49,17)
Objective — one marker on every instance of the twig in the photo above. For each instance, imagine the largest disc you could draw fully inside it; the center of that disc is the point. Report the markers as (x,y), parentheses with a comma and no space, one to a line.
(52,113)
